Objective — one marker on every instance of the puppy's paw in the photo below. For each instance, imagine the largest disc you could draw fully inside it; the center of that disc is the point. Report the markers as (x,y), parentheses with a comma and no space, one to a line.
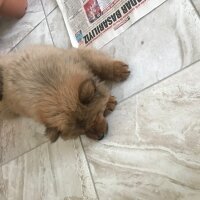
(120,71)
(110,105)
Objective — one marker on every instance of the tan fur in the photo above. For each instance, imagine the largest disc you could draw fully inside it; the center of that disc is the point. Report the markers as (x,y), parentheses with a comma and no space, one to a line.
(60,89)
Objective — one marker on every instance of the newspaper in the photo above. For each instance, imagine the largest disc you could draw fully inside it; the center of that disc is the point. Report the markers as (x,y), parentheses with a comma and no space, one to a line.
(96,22)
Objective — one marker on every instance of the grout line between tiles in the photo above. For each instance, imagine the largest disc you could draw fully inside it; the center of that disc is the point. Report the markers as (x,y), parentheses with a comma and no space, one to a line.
(20,155)
(48,21)
(159,81)
(30,32)
(26,35)
(197,12)
(89,168)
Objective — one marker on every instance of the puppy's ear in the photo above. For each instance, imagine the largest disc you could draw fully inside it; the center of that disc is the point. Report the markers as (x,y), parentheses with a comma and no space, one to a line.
(52,133)
(87,91)
(1,84)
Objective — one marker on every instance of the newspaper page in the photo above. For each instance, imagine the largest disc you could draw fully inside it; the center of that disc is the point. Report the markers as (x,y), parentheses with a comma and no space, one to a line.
(96,22)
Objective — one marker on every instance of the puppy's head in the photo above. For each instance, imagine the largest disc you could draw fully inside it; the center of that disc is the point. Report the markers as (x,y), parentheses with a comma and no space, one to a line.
(85,116)
(93,97)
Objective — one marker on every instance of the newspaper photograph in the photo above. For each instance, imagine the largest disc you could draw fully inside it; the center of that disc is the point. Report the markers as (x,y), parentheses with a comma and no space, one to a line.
(96,22)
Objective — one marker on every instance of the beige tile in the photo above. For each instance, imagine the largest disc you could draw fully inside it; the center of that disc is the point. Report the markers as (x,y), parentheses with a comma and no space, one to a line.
(2,189)
(40,35)
(152,150)
(158,45)
(49,5)
(58,29)
(57,171)
(13,31)
(2,197)
(18,136)
(169,115)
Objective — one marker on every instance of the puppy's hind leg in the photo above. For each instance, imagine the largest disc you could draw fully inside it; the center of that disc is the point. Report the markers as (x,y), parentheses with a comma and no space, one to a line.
(103,66)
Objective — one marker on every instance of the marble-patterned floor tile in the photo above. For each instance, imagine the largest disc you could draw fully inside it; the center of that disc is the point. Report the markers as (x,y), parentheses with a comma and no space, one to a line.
(158,45)
(196,4)
(2,197)
(18,136)
(2,189)
(13,31)
(40,35)
(50,172)
(152,150)
(58,29)
(49,5)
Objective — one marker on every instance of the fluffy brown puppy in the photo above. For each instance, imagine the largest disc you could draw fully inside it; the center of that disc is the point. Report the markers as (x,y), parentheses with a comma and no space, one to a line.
(60,88)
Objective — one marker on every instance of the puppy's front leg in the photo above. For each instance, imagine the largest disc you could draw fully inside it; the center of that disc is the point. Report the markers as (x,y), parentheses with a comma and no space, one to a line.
(111,104)
(103,66)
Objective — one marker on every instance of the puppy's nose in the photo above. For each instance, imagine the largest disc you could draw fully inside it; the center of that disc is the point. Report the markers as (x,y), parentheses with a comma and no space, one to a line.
(101,137)
(106,131)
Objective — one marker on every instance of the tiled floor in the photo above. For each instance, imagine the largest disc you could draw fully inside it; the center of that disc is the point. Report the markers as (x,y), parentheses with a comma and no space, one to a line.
(152,151)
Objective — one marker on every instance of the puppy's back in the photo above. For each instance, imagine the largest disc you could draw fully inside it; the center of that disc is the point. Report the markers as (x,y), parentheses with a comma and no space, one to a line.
(36,72)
